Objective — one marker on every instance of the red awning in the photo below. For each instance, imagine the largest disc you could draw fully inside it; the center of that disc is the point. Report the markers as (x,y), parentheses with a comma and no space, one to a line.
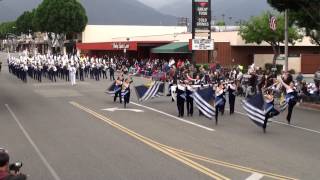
(109,46)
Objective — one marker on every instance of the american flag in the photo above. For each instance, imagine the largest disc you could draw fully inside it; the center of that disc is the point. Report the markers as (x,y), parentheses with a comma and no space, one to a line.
(273,23)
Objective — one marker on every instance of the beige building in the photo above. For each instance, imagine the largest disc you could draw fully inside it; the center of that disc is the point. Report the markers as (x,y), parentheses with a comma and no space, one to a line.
(102,33)
(230,49)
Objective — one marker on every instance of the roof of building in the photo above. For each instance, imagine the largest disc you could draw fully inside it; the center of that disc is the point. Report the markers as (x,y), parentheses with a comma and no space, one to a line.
(102,33)
(118,33)
(232,37)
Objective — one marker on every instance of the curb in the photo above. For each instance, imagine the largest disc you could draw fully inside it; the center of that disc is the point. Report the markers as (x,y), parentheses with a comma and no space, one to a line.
(309,106)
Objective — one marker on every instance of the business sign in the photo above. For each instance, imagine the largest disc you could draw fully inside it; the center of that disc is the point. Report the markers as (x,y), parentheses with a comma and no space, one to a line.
(202,44)
(201,15)
(119,45)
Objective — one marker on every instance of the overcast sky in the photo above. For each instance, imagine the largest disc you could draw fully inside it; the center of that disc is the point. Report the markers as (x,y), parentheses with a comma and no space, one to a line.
(157,3)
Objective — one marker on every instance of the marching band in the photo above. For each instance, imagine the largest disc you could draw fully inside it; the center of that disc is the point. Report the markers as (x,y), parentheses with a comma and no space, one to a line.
(181,85)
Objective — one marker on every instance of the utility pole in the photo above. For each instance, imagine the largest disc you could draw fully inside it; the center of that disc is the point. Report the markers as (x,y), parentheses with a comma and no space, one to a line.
(286,41)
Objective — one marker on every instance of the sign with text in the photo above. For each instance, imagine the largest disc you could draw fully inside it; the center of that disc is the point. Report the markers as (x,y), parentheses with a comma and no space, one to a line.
(202,44)
(201,15)
(119,45)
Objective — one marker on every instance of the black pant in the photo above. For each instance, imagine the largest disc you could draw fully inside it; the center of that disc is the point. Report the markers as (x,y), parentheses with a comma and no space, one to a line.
(67,75)
(97,75)
(221,109)
(190,106)
(217,113)
(271,114)
(112,76)
(104,75)
(169,89)
(291,105)
(180,105)
(126,99)
(39,76)
(54,74)
(81,75)
(232,100)
(117,94)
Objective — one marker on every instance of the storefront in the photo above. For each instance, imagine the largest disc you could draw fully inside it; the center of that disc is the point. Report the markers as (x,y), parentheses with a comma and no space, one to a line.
(130,49)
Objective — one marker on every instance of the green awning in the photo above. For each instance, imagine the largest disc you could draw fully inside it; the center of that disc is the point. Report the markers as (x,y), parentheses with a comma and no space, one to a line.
(177,47)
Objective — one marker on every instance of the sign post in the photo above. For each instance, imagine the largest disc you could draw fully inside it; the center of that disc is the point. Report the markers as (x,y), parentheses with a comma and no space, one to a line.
(201,27)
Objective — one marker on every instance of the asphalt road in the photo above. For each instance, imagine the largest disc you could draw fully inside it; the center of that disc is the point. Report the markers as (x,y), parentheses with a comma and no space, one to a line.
(64,132)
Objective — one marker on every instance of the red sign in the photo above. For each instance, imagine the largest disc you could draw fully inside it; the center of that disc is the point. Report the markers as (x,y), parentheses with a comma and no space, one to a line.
(109,46)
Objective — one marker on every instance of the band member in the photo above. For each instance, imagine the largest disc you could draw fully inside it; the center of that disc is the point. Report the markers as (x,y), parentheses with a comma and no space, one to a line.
(232,96)
(291,98)
(170,84)
(181,98)
(271,111)
(126,91)
(81,71)
(117,89)
(189,99)
(219,100)
(73,72)
(111,71)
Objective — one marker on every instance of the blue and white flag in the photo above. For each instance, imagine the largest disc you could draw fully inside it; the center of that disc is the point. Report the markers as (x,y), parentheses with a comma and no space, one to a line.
(161,90)
(202,98)
(256,109)
(144,93)
(113,89)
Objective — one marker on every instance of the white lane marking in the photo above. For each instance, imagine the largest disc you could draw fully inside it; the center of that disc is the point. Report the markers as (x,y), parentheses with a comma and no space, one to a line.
(169,115)
(44,160)
(255,176)
(285,124)
(121,109)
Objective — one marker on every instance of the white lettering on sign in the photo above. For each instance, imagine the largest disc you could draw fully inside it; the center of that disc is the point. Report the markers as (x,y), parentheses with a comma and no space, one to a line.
(203,44)
(199,24)
(120,46)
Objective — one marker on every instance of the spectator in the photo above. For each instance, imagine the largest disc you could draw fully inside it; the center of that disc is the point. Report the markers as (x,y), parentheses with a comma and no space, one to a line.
(299,78)
(317,77)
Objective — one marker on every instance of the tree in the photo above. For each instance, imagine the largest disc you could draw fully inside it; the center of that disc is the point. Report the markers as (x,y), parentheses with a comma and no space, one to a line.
(25,22)
(257,30)
(59,18)
(7,28)
(304,13)
(220,23)
(282,5)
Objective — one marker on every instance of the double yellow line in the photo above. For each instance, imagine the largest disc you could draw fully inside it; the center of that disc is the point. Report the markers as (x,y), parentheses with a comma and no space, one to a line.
(182,156)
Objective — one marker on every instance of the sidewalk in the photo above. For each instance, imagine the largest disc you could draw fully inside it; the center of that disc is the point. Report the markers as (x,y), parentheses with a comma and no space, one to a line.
(309,106)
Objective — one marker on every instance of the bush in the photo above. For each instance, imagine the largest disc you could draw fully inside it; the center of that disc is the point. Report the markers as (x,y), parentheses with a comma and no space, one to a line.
(269,67)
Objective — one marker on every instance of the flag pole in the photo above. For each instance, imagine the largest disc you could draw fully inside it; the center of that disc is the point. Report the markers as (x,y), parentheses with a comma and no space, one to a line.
(286,41)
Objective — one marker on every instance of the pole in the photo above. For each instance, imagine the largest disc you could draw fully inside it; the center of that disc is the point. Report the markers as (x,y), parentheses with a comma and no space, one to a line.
(193,31)
(286,41)
(209,19)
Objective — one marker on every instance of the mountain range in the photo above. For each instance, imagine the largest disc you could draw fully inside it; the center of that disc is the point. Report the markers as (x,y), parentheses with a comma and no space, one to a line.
(114,12)
(141,12)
